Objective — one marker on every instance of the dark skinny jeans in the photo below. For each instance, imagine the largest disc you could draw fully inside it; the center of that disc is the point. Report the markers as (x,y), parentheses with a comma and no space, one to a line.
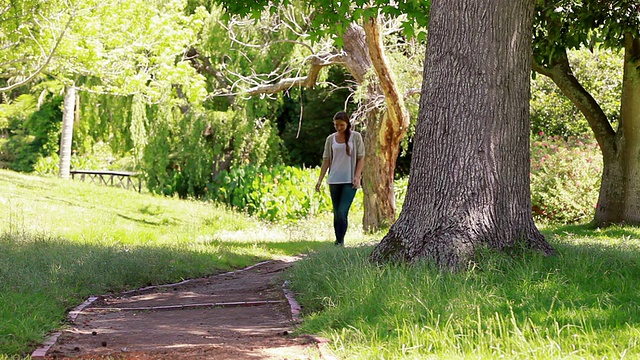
(341,197)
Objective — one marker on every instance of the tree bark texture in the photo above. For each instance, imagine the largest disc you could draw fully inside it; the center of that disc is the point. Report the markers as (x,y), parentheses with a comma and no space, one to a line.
(378,173)
(377,180)
(385,129)
(66,137)
(469,177)
(619,198)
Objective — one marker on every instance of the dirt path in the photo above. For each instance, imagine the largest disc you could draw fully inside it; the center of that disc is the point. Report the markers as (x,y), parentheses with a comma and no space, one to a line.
(237,315)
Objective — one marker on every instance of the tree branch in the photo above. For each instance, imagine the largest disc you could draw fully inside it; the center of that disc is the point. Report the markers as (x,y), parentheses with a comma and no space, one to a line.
(412,92)
(317,62)
(44,65)
(561,74)
(393,100)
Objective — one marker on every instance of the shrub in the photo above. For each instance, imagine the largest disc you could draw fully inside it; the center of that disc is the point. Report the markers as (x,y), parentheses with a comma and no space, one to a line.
(271,193)
(184,153)
(50,165)
(33,132)
(565,179)
(100,158)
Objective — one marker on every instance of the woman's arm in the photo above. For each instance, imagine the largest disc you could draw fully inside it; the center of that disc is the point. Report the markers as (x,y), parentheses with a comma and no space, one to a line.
(323,171)
(357,178)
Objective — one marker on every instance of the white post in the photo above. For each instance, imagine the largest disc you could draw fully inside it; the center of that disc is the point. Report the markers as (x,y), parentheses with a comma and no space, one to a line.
(66,137)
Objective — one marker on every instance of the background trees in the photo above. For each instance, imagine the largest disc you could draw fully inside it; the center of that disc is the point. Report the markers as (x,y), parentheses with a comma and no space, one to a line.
(563,25)
(114,50)
(162,87)
(599,70)
(380,98)
(32,33)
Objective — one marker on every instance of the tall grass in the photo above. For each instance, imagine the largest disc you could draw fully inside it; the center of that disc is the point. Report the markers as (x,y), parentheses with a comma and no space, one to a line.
(583,303)
(61,241)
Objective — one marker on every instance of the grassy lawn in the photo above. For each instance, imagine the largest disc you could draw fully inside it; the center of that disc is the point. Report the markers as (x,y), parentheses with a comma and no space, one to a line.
(61,241)
(583,303)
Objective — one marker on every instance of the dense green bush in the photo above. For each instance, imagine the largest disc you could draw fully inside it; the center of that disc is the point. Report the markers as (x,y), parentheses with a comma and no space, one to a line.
(184,153)
(99,157)
(599,71)
(33,131)
(271,193)
(565,179)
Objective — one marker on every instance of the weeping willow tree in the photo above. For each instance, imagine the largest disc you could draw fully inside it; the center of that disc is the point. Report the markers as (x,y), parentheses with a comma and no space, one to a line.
(105,119)
(185,152)
(138,127)
(160,116)
(139,98)
(130,51)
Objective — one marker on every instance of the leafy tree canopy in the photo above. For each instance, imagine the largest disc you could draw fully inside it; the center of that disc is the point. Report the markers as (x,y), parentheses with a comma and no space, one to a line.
(134,47)
(334,16)
(571,24)
(31,32)
(600,72)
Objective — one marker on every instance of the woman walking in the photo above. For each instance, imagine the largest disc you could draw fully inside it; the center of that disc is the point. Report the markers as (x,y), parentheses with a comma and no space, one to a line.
(344,158)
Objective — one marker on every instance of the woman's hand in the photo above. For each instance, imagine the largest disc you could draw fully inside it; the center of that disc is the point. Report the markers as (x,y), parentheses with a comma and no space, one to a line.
(357,182)
(318,185)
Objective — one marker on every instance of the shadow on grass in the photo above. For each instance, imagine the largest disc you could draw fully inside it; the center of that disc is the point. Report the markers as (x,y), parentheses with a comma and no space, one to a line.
(43,277)
(159,222)
(18,180)
(588,284)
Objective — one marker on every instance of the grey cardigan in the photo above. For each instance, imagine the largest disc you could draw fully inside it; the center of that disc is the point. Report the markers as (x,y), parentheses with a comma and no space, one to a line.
(357,152)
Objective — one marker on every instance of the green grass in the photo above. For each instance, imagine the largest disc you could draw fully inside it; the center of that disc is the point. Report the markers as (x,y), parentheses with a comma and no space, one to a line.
(61,241)
(583,303)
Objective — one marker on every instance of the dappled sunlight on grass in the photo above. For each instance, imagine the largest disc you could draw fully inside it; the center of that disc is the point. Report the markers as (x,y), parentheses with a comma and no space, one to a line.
(61,273)
(62,241)
(581,303)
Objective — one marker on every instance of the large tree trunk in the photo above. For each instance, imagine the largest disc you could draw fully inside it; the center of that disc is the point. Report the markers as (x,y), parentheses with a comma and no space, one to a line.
(469,177)
(66,138)
(619,199)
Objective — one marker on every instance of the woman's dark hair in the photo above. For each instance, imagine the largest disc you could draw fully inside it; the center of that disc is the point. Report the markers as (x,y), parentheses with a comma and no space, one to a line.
(343,116)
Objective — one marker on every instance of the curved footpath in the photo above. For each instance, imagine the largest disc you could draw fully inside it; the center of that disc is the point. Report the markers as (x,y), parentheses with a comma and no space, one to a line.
(243,314)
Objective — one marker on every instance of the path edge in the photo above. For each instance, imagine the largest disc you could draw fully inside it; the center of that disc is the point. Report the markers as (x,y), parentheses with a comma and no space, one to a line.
(41,351)
(321,343)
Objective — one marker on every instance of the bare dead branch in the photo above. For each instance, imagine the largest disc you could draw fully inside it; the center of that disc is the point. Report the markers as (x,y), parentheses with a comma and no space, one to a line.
(316,62)
(44,64)
(412,92)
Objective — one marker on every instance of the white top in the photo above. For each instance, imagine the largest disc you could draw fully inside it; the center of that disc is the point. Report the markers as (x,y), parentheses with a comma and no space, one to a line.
(356,145)
(340,171)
